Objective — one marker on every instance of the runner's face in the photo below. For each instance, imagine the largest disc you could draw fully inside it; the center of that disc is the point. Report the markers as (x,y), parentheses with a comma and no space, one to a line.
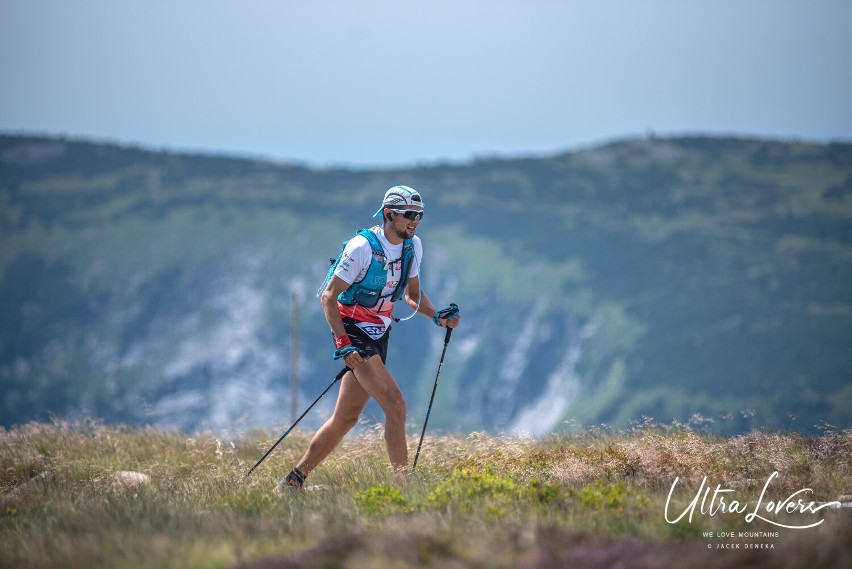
(403,227)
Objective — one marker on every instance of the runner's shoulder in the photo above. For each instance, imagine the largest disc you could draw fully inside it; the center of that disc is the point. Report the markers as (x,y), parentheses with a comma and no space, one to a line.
(357,242)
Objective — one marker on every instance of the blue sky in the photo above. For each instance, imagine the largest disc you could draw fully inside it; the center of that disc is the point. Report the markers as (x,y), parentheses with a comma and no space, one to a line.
(377,83)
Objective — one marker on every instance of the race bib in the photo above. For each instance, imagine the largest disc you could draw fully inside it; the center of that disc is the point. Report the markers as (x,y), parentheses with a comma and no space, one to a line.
(375,330)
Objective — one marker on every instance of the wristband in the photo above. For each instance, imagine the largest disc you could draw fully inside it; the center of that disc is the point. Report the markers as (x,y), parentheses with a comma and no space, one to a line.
(342,341)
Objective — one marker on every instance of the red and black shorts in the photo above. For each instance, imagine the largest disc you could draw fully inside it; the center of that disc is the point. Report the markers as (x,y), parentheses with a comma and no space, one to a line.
(364,343)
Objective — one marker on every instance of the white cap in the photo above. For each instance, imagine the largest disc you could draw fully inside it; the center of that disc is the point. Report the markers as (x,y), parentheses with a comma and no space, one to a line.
(399,196)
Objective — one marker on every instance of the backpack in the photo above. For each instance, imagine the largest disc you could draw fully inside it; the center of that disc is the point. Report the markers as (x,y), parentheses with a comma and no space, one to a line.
(368,291)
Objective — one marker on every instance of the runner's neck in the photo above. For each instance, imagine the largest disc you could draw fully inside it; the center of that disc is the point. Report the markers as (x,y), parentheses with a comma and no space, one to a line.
(391,236)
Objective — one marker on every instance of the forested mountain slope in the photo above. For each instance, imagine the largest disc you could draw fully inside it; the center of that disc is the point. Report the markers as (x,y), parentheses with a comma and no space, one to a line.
(648,277)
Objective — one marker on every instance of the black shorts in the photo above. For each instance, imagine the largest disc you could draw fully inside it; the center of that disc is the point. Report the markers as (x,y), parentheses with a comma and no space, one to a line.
(364,343)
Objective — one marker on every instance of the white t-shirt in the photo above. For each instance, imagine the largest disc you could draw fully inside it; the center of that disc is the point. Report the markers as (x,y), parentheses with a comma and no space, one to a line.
(353,266)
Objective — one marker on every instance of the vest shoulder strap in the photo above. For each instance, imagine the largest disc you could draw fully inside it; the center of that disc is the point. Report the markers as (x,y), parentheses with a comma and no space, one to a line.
(375,245)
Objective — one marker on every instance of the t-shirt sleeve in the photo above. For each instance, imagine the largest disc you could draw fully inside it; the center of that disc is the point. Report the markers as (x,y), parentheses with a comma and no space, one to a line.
(355,260)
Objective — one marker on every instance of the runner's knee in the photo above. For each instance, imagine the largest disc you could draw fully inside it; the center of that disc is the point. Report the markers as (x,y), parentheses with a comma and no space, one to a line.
(346,421)
(395,407)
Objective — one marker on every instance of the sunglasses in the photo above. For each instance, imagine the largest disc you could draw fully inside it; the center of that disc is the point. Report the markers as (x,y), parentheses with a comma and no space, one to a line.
(410,214)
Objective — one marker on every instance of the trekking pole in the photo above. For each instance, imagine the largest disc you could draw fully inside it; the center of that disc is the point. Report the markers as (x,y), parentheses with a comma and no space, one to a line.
(431,399)
(337,378)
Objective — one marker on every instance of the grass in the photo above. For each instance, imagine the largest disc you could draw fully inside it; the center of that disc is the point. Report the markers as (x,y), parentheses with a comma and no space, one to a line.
(586,500)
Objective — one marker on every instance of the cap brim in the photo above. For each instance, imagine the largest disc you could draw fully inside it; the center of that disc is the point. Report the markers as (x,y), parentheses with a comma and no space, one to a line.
(378,213)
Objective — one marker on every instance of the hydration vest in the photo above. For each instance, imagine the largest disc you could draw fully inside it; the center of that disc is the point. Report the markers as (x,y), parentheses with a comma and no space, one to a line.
(368,291)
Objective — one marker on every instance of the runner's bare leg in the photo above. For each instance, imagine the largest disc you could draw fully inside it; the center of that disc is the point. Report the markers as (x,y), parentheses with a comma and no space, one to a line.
(350,403)
(373,380)
(376,380)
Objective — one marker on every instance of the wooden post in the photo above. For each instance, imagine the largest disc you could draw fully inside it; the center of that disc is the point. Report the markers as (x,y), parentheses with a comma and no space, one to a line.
(294,356)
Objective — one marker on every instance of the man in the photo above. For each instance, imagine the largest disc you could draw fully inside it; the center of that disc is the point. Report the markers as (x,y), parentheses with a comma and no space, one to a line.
(378,267)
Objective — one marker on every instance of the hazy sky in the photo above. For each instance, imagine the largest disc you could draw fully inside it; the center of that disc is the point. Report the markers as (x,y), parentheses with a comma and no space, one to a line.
(397,82)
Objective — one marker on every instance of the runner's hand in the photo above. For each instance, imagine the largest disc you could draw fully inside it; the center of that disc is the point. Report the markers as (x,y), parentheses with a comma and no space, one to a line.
(447,317)
(350,356)
(353,359)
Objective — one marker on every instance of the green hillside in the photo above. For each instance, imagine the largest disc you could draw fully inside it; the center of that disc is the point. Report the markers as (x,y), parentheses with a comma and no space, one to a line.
(682,279)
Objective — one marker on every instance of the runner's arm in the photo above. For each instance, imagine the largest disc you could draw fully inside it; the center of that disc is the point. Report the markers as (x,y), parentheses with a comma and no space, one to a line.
(427,309)
(329,306)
